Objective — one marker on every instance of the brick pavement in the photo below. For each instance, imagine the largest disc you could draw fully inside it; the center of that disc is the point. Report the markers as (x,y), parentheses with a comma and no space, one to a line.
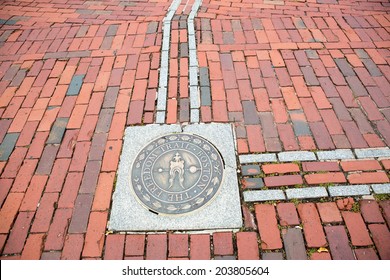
(289,75)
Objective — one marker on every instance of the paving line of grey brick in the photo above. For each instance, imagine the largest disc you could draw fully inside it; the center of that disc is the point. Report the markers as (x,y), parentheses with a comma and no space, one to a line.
(164,63)
(304,193)
(372,153)
(193,64)
(381,188)
(349,190)
(264,195)
(335,154)
(253,158)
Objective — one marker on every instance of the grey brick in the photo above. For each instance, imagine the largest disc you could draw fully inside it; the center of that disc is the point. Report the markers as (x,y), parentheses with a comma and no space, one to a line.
(205,96)
(300,24)
(296,156)
(250,170)
(104,121)
(381,188)
(362,53)
(277,256)
(184,50)
(250,112)
(160,117)
(90,177)
(110,97)
(263,195)
(75,85)
(152,28)
(204,76)
(258,158)
(81,212)
(57,131)
(47,159)
(195,116)
(372,152)
(345,67)
(301,128)
(335,154)
(8,145)
(347,190)
(252,183)
(372,68)
(294,244)
(311,192)
(112,29)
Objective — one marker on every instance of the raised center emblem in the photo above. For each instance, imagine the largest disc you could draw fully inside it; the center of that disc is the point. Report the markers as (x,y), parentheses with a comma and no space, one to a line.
(177,174)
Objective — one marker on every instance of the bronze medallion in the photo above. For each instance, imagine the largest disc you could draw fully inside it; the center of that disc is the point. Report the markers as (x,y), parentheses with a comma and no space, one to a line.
(177,174)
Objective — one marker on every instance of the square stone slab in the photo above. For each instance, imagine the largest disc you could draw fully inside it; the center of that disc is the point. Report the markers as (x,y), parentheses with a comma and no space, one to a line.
(223,211)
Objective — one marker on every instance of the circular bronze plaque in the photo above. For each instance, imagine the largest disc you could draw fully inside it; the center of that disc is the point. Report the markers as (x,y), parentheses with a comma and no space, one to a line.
(177,174)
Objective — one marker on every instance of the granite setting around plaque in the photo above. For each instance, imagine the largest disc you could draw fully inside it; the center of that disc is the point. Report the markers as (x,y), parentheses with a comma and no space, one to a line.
(223,212)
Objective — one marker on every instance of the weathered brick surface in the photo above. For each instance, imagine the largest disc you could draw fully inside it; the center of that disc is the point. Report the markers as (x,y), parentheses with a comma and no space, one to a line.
(156,248)
(247,246)
(356,228)
(312,228)
(200,247)
(338,243)
(268,227)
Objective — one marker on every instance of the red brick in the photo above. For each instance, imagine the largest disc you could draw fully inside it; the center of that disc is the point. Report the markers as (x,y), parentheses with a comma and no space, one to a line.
(365,254)
(279,110)
(385,205)
(87,128)
(18,235)
(255,139)
(381,236)
(9,210)
(357,229)
(329,212)
(219,111)
(338,243)
(320,166)
(249,219)
(114,247)
(223,243)
(24,175)
(34,192)
(268,227)
(331,177)
(111,155)
(287,214)
(79,161)
(48,119)
(286,180)
(135,245)
(200,247)
(312,227)
(33,248)
(57,176)
(72,247)
(178,245)
(5,187)
(77,117)
(19,120)
(156,248)
(44,213)
(135,112)
(68,144)
(70,190)
(14,163)
(324,256)
(386,164)
(371,212)
(94,238)
(280,168)
(95,103)
(247,246)
(368,177)
(56,236)
(345,203)
(360,165)
(117,128)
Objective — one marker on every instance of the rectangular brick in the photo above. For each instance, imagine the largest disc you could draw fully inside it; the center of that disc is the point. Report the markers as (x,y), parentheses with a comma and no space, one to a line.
(320,166)
(70,190)
(72,247)
(285,180)
(57,131)
(312,227)
(200,247)
(7,145)
(280,168)
(329,212)
(114,247)
(79,161)
(47,160)
(381,236)
(294,244)
(365,254)
(360,165)
(287,214)
(18,235)
(156,248)
(323,178)
(14,163)
(371,211)
(368,177)
(56,236)
(339,243)
(44,213)
(24,175)
(223,243)
(34,192)
(357,229)
(247,246)
(268,227)
(33,248)
(94,238)
(135,245)
(178,245)
(81,212)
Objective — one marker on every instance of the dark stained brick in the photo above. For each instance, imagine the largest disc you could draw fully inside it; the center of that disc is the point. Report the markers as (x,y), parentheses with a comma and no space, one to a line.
(110,97)
(57,131)
(381,235)
(252,183)
(250,112)
(338,243)
(80,215)
(47,160)
(250,170)
(272,256)
(345,67)
(7,146)
(90,177)
(104,121)
(75,85)
(366,254)
(294,244)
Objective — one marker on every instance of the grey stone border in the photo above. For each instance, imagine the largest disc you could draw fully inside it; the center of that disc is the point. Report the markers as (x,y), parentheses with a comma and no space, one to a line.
(338,154)
(315,192)
(164,63)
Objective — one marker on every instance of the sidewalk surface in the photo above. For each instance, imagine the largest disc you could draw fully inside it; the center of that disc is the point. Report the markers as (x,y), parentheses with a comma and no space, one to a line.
(297,75)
